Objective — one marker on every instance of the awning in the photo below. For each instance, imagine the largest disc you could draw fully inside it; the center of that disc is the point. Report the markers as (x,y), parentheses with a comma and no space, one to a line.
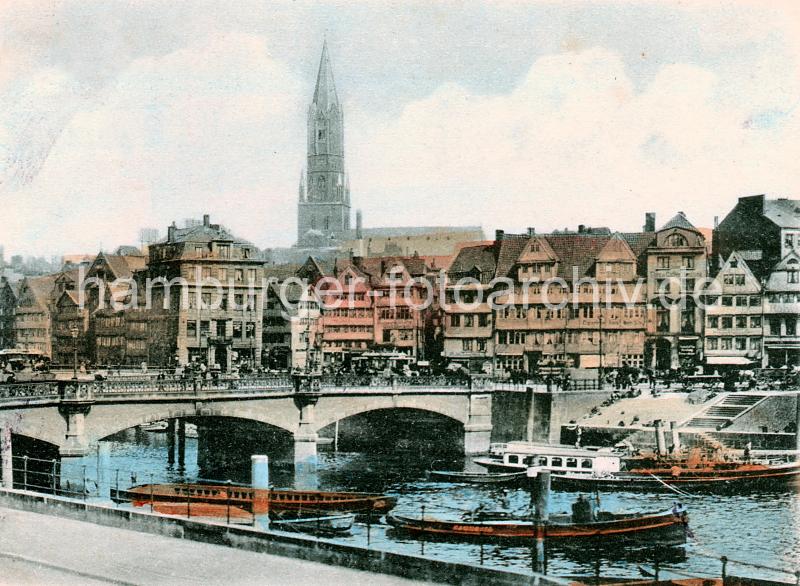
(738,360)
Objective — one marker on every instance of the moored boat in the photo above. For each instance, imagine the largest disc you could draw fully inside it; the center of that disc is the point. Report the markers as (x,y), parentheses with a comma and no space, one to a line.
(664,528)
(587,469)
(256,501)
(317,524)
(476,477)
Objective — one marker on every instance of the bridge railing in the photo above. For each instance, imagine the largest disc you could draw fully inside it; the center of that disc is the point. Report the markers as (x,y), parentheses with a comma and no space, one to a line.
(29,390)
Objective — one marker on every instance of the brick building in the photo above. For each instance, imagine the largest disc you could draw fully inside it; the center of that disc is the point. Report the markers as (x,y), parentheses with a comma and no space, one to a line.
(33,315)
(8,305)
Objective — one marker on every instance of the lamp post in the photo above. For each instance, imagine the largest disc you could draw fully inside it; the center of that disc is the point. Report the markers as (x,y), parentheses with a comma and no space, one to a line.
(74,333)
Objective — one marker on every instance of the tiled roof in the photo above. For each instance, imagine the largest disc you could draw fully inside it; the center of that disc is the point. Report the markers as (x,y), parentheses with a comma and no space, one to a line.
(679,220)
(399,231)
(783,212)
(204,233)
(576,250)
(480,256)
(509,249)
(124,266)
(639,241)
(42,288)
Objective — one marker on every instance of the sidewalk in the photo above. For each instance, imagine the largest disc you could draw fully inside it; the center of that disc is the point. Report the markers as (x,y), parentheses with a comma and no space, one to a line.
(40,549)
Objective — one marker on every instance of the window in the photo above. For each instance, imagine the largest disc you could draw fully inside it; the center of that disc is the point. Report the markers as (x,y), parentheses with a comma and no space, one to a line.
(572,462)
(676,240)
(250,329)
(237,329)
(481,345)
(775,326)
(466,345)
(205,327)
(755,343)
(224,251)
(727,323)
(513,459)
(741,343)
(713,321)
(688,262)
(221,327)
(690,285)
(483,320)
(191,328)
(321,134)
(663,262)
(755,300)
(455,320)
(245,253)
(727,301)
(586,463)
(741,321)
(727,279)
(251,275)
(793,276)
(755,321)
(223,275)
(239,275)
(556,463)
(727,343)
(740,279)
(713,343)
(741,300)
(541,461)
(469,321)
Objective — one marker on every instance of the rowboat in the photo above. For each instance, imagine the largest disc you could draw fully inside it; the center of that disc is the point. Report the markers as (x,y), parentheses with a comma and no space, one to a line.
(256,501)
(318,524)
(476,477)
(664,528)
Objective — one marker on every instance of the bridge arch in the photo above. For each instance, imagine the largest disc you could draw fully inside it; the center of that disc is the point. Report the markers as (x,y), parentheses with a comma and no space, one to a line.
(329,410)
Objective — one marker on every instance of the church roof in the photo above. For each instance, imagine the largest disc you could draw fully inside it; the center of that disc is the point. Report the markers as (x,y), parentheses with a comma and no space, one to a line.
(325,92)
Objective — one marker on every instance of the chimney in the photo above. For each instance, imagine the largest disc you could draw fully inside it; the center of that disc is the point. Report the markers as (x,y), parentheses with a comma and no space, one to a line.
(650,222)
(171,232)
(206,220)
(498,234)
(716,222)
(359,234)
(531,231)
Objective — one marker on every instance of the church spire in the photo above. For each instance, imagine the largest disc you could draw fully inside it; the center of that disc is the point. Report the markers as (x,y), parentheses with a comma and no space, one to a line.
(325,92)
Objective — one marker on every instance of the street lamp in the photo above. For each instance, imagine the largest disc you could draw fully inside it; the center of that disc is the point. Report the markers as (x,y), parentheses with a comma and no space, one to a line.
(74,333)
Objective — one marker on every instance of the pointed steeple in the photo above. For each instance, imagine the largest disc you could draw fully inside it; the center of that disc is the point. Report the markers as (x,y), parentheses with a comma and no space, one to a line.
(325,92)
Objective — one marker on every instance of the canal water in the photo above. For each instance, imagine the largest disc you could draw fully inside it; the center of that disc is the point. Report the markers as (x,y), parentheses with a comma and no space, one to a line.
(760,528)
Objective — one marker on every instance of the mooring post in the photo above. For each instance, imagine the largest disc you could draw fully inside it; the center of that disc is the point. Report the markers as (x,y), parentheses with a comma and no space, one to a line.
(661,442)
(259,480)
(676,437)
(7,456)
(540,495)
(724,561)
(797,427)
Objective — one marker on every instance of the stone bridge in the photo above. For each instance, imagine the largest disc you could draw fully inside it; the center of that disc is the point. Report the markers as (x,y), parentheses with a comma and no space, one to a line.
(75,415)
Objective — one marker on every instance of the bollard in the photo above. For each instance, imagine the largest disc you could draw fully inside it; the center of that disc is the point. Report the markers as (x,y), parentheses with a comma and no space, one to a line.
(724,561)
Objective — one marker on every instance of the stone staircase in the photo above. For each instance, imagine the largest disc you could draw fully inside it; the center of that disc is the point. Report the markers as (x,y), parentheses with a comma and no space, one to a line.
(722,413)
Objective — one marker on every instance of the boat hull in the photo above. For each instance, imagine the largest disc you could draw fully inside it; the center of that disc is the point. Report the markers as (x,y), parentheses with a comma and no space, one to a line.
(477,477)
(656,529)
(320,525)
(780,477)
(255,501)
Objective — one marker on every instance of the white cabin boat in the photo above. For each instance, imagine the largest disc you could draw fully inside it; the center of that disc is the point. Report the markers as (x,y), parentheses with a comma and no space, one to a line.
(517,456)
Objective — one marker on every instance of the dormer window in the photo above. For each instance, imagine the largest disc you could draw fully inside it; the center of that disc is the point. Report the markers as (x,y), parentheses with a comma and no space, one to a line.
(224,251)
(676,240)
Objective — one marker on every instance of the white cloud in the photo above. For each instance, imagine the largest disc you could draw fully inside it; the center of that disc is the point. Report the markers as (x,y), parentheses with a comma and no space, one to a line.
(573,142)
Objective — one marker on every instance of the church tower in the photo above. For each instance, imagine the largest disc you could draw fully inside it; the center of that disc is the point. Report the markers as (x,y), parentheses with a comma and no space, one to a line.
(323,207)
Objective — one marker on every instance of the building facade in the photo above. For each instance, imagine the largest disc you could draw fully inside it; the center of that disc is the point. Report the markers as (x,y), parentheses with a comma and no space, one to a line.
(734,319)
(8,305)
(782,313)
(207,297)
(676,263)
(33,315)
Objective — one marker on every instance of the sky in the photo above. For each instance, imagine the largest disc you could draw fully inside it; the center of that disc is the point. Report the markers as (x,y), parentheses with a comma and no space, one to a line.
(116,116)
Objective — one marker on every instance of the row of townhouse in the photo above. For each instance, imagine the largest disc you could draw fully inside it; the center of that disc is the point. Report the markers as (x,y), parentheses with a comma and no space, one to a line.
(333,313)
(586,299)
(196,296)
